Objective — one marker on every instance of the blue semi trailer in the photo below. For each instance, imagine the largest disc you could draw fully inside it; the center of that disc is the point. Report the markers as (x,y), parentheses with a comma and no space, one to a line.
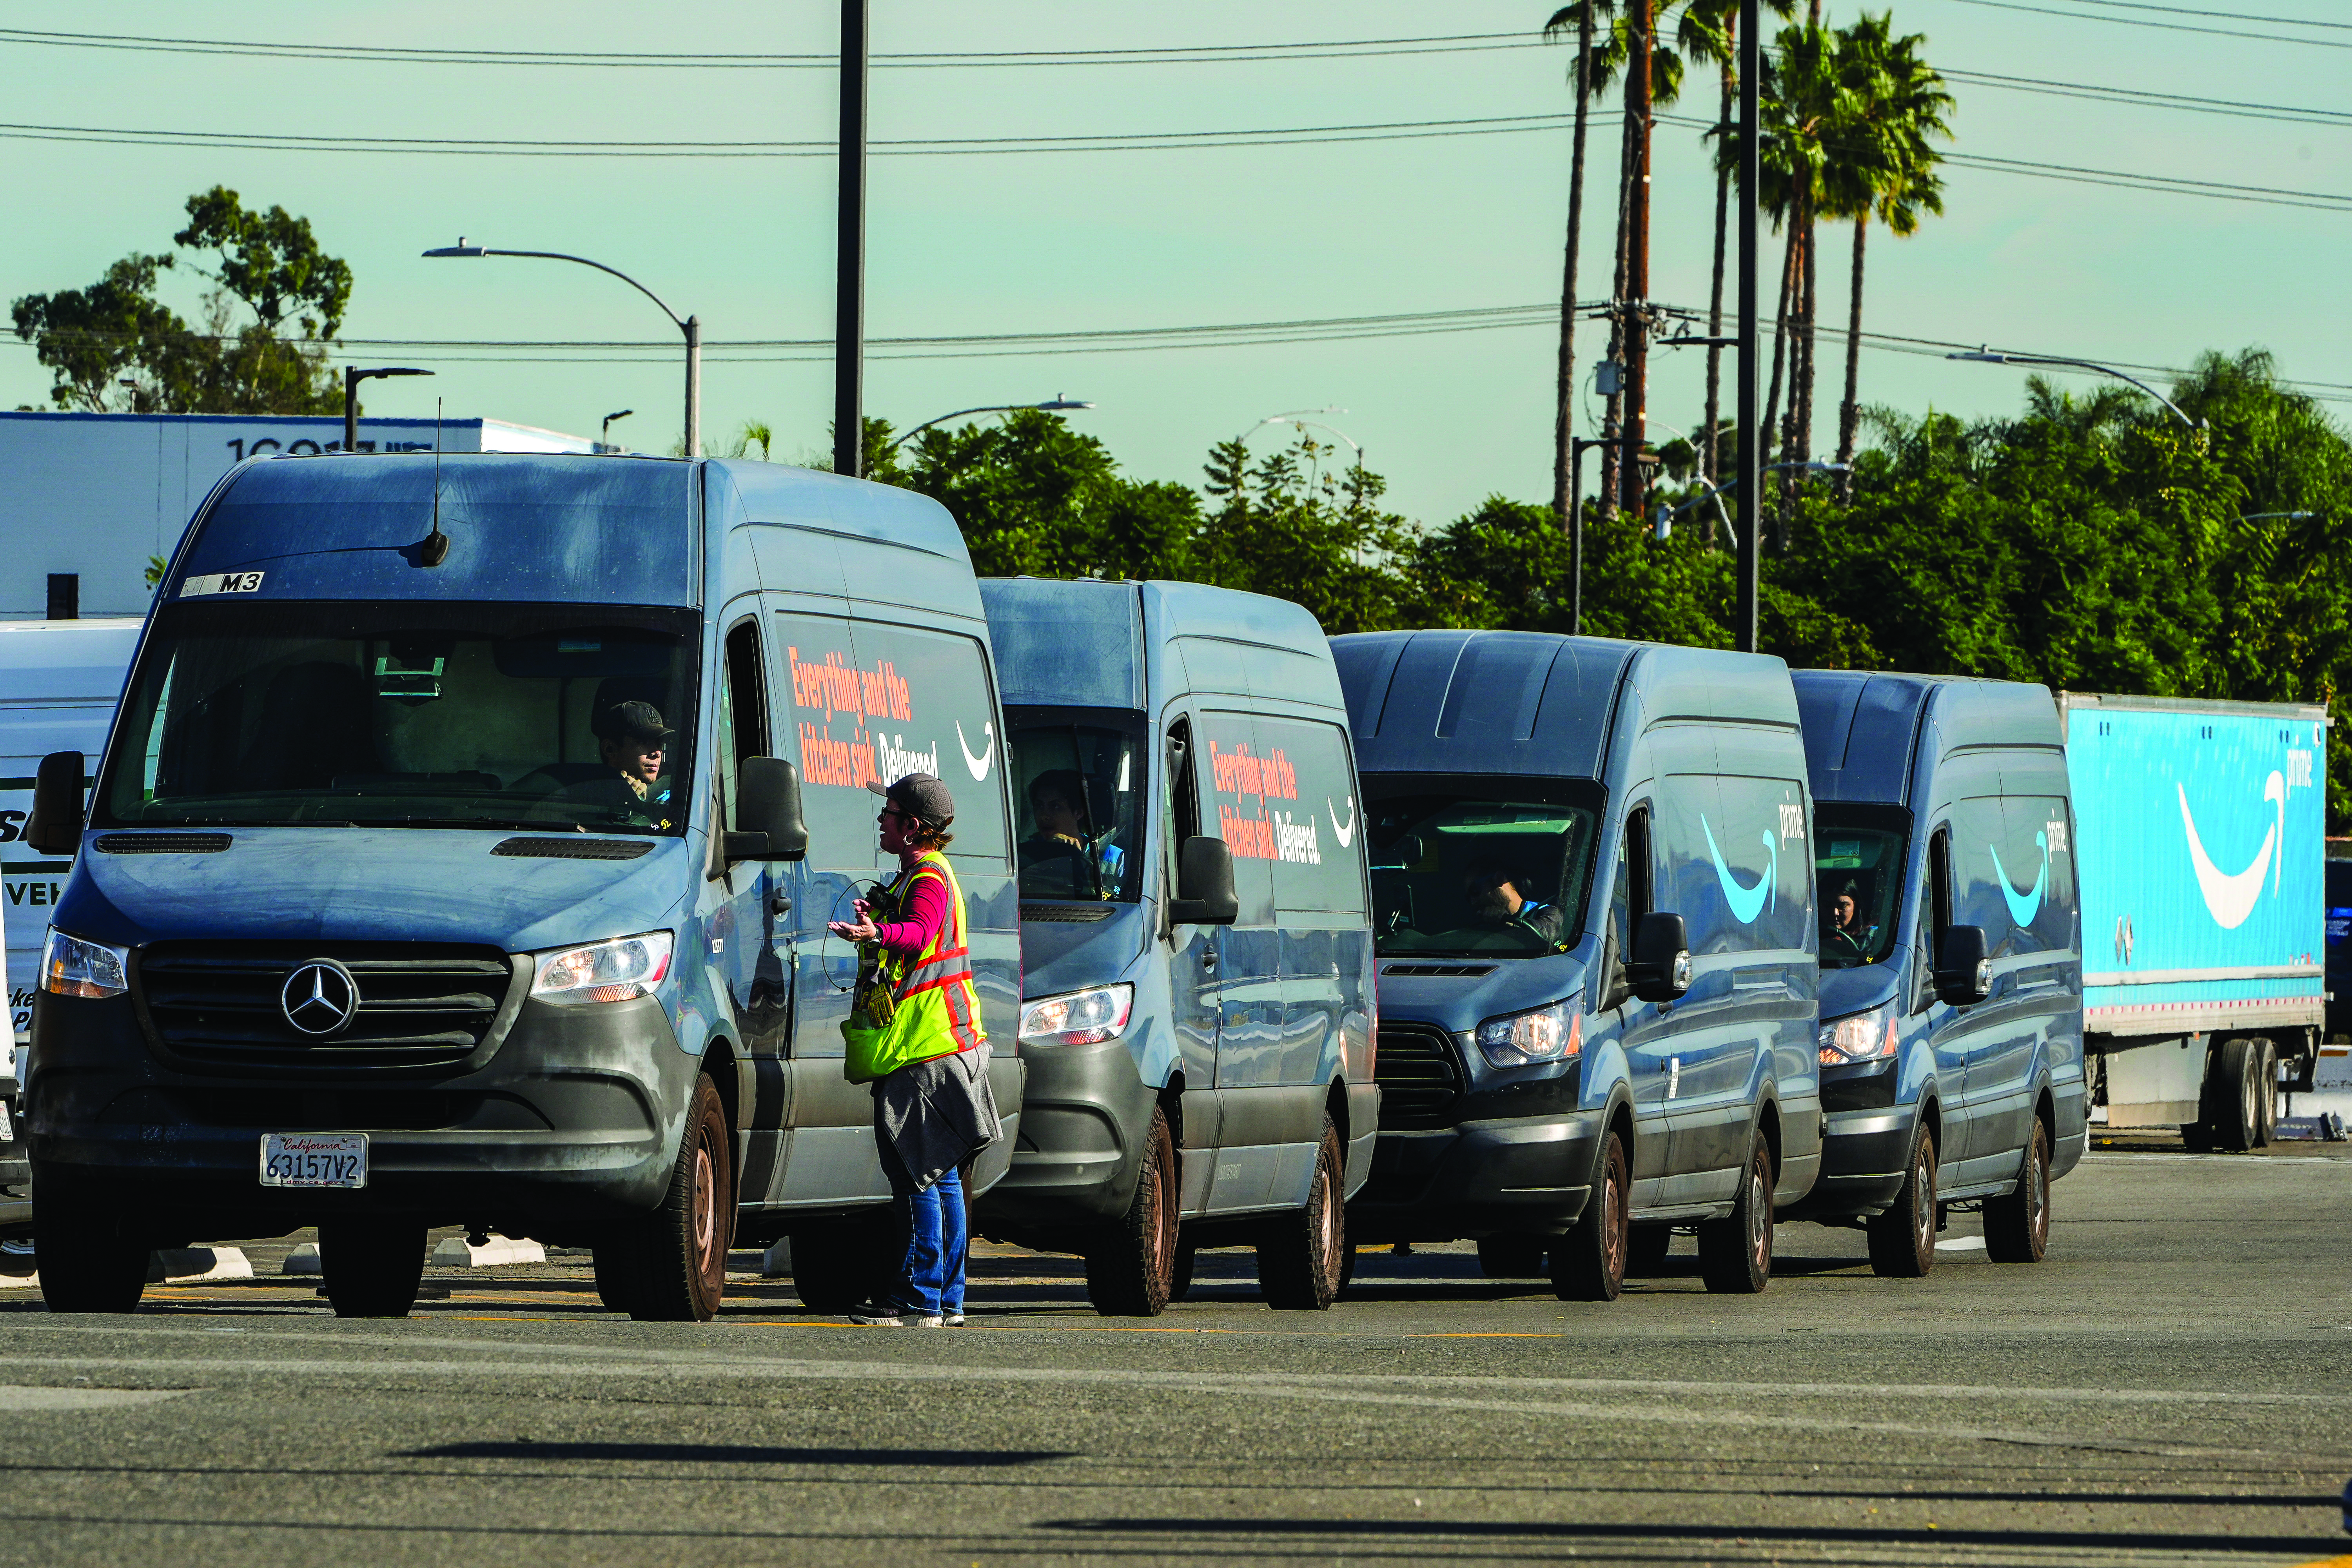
(2200,840)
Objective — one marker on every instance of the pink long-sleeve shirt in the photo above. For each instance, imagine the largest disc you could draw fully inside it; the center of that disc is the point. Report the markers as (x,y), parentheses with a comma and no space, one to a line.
(926,916)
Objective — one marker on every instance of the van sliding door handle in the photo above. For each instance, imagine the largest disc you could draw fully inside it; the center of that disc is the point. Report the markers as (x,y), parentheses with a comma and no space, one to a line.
(1208,960)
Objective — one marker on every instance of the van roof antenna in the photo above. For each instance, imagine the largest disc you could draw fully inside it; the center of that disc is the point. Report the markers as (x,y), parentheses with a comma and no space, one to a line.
(435,548)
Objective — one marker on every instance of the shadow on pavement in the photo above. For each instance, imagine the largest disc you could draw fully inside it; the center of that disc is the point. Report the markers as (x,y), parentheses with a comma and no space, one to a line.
(731,1454)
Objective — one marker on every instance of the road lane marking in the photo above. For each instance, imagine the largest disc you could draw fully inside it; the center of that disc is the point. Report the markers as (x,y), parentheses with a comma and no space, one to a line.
(16,1397)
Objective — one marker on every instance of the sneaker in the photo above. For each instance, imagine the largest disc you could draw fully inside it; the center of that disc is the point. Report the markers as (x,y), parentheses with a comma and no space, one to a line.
(952,1319)
(892,1318)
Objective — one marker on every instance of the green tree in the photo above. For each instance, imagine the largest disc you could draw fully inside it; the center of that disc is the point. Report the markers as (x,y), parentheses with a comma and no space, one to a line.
(271,358)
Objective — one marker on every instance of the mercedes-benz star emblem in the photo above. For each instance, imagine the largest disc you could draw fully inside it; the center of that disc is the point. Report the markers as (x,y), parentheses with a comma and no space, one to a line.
(319,997)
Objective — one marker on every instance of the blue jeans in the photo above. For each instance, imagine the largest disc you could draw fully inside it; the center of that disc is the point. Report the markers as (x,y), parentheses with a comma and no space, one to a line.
(930,1275)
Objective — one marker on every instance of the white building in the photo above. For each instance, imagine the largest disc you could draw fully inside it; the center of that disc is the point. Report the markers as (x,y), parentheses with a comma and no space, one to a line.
(86,500)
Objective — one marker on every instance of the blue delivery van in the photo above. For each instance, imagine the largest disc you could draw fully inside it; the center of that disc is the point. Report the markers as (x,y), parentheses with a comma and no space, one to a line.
(1198,993)
(1593,904)
(462,855)
(1951,1032)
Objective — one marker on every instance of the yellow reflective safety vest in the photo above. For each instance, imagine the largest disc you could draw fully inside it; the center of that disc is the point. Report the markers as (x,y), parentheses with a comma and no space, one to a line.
(934,1007)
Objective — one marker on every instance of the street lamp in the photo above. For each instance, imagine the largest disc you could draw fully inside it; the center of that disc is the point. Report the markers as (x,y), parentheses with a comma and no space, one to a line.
(351,379)
(1986,356)
(691,326)
(1666,514)
(604,431)
(1056,404)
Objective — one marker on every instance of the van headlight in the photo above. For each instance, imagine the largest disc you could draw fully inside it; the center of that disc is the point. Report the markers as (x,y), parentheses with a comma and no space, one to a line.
(1859,1038)
(72,967)
(1078,1017)
(620,970)
(1540,1034)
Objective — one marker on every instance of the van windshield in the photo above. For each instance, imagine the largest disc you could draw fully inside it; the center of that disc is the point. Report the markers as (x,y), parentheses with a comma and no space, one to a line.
(1858,872)
(1078,778)
(1458,876)
(408,715)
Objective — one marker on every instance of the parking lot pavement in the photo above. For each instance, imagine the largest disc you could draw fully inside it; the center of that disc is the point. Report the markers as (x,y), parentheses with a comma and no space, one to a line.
(2171,1385)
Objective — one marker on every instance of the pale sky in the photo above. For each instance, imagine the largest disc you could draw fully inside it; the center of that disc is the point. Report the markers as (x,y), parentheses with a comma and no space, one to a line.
(1115,239)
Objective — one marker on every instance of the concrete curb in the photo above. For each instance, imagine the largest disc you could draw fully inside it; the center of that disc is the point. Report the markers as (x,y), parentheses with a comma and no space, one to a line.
(455,1251)
(181,1264)
(303,1259)
(776,1263)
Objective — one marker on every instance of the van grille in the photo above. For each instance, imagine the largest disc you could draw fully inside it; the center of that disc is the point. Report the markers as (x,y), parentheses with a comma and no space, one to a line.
(1418,1070)
(420,1005)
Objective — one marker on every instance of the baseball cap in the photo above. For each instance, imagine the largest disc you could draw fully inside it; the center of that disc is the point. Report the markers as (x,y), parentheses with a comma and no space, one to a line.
(918,795)
(633,719)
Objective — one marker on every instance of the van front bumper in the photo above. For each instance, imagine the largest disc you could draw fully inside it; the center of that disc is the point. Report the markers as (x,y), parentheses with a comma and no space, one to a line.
(573,1117)
(1084,1111)
(1518,1175)
(1863,1153)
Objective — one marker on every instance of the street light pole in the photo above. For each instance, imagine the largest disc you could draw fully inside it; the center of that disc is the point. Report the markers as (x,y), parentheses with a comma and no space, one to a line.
(691,326)
(849,252)
(1986,356)
(604,431)
(1052,405)
(351,379)
(1751,450)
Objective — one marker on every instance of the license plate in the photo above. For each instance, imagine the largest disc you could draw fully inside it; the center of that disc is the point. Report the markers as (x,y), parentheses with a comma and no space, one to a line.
(314,1159)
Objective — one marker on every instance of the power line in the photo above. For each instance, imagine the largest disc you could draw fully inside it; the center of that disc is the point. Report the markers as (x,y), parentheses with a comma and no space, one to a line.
(2148,98)
(2215,15)
(1201,53)
(2167,27)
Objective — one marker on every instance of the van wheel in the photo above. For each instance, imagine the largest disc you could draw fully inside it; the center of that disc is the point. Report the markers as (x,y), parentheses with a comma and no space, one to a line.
(838,1266)
(1902,1239)
(1511,1258)
(1646,1249)
(1301,1255)
(372,1265)
(1132,1267)
(1180,1283)
(86,1263)
(1587,1264)
(684,1240)
(1735,1253)
(2017,1227)
(619,1266)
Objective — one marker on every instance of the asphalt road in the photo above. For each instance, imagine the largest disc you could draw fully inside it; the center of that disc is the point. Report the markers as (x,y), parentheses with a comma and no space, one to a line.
(2173,1384)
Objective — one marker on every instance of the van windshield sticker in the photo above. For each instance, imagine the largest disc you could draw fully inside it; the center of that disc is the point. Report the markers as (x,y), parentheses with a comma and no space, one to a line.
(220,583)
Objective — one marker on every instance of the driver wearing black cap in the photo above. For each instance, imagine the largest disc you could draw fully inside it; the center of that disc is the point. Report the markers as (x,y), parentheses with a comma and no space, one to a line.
(633,741)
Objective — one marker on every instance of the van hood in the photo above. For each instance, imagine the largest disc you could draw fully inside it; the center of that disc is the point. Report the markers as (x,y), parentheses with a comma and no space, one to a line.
(1845,992)
(1460,1001)
(1057,956)
(364,884)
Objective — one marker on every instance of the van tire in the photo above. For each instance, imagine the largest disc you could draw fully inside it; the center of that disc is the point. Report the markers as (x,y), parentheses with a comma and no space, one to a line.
(1302,1255)
(684,1240)
(372,1265)
(839,1266)
(619,1268)
(1132,1267)
(1511,1257)
(1646,1249)
(1902,1239)
(2017,1225)
(85,1262)
(1589,1263)
(1180,1283)
(1735,1253)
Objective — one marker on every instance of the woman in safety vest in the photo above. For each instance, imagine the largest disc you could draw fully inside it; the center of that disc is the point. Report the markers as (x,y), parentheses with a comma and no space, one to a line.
(918,1039)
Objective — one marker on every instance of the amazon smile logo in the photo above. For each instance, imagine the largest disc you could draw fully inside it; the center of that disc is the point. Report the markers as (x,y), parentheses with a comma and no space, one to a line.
(1746,903)
(2230,896)
(2023,907)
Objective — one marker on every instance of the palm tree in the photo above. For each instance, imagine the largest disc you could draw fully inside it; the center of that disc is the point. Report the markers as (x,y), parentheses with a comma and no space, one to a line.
(1902,107)
(1581,15)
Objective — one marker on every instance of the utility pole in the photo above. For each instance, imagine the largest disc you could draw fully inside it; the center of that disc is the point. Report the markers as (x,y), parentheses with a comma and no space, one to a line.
(850,260)
(1639,44)
(1751,446)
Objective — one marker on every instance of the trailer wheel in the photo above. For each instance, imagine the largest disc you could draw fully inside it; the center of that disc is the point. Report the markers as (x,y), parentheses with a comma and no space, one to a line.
(1902,1239)
(372,1265)
(2017,1226)
(2266,1095)
(1735,1253)
(2231,1116)
(1132,1267)
(1301,1255)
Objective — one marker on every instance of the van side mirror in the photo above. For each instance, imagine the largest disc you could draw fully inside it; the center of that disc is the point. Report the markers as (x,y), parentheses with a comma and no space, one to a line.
(1963,968)
(1660,969)
(55,827)
(1204,885)
(768,822)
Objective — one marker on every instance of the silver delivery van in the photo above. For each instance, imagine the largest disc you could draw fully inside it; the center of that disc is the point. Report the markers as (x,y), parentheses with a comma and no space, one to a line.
(462,855)
(1197,1012)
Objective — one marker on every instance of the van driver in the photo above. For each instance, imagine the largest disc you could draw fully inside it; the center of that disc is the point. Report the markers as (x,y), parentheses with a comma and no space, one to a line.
(633,741)
(1499,897)
(1843,936)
